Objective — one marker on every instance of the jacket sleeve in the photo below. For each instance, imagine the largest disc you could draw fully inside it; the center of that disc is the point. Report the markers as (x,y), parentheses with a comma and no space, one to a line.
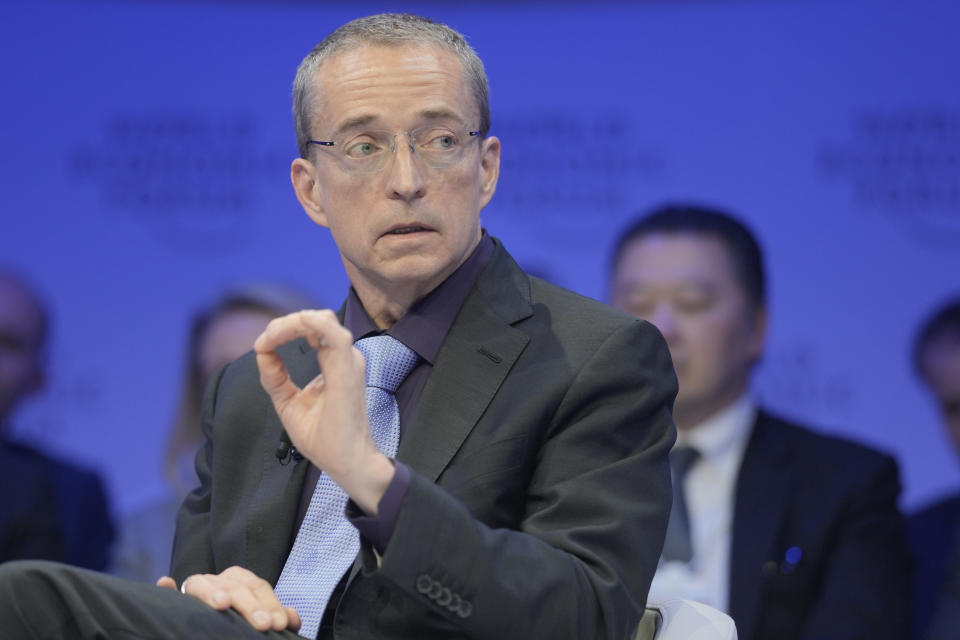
(593,516)
(192,544)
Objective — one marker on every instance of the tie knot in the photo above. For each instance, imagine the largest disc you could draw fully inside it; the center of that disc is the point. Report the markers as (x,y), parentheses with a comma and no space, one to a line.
(388,361)
(682,458)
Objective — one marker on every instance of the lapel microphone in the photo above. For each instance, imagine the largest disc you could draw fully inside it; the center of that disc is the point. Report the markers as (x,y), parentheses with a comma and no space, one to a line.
(286,451)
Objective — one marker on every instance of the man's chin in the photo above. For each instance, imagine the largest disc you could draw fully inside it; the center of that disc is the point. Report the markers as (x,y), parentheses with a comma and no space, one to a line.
(689,411)
(415,270)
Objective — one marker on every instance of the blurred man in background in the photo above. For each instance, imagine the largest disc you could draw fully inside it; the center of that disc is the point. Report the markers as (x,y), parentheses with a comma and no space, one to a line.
(79,499)
(29,522)
(794,534)
(935,530)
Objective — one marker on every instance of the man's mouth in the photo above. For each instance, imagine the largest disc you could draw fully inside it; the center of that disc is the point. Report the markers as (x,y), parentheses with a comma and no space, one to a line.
(403,230)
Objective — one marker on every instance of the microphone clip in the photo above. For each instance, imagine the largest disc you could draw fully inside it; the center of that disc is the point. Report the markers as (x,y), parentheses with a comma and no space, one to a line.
(286,451)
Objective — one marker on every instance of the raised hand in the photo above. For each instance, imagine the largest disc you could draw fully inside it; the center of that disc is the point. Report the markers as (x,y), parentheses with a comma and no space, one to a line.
(326,419)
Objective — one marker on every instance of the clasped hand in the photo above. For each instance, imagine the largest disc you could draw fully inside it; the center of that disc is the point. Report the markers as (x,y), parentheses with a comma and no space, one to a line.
(240,589)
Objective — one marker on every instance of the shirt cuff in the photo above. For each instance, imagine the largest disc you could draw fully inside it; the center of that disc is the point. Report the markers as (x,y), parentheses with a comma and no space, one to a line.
(378,529)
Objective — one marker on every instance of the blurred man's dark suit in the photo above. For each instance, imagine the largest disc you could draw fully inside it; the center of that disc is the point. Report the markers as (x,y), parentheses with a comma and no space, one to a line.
(934,536)
(82,508)
(29,520)
(818,548)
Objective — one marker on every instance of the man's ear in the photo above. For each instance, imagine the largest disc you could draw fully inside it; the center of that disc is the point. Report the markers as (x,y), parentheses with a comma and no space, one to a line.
(303,175)
(489,168)
(37,380)
(758,333)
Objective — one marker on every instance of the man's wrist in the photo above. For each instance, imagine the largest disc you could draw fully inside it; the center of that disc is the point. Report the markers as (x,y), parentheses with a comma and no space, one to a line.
(369,483)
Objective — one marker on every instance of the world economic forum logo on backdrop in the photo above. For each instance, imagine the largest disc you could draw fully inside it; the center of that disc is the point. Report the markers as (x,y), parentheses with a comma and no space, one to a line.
(574,161)
(194,180)
(557,166)
(798,378)
(905,164)
(567,178)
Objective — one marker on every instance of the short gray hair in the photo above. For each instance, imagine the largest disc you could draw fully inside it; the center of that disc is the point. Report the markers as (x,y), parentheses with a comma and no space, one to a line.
(390,29)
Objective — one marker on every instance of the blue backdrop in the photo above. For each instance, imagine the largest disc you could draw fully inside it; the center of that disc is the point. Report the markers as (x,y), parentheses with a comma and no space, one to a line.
(145,165)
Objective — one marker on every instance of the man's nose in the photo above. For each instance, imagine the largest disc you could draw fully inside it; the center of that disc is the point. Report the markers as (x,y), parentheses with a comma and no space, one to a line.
(406,173)
(664,318)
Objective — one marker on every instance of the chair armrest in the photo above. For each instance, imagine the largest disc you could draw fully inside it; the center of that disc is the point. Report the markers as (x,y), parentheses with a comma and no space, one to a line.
(685,620)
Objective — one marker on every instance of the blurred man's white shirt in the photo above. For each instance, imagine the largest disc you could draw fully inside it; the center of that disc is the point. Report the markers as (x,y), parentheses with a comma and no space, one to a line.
(710,493)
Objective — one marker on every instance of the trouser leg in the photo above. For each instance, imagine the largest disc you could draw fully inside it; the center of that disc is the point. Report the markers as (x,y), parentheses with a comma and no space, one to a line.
(46,601)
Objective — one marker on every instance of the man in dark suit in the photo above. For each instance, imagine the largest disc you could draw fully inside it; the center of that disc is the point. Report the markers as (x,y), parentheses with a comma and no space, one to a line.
(29,522)
(75,495)
(935,530)
(530,491)
(793,533)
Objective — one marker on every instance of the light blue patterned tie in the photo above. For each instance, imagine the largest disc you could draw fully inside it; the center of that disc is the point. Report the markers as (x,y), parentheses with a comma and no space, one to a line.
(327,543)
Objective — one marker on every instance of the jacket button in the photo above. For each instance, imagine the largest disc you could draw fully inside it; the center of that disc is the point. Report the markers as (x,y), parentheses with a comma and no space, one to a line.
(465,609)
(424,583)
(445,597)
(454,604)
(435,590)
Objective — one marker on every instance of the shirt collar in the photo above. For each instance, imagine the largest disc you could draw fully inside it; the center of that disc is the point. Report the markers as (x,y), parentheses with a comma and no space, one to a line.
(426,324)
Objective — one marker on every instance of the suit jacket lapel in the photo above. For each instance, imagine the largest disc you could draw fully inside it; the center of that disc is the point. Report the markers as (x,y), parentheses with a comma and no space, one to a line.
(761,496)
(276,499)
(478,352)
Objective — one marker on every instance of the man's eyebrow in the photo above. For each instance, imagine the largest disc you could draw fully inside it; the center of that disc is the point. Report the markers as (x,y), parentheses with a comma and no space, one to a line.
(698,285)
(427,114)
(353,123)
(440,114)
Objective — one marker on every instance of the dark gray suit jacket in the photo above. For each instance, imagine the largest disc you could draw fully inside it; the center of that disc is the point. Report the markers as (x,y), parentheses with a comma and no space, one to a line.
(819,548)
(540,489)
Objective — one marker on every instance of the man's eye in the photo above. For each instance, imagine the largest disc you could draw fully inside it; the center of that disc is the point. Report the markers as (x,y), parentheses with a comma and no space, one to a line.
(641,311)
(10,343)
(692,305)
(951,408)
(639,307)
(363,149)
(441,141)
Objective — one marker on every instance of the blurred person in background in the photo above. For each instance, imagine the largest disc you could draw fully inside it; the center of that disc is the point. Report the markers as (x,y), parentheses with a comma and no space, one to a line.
(30,525)
(935,530)
(219,333)
(795,534)
(71,518)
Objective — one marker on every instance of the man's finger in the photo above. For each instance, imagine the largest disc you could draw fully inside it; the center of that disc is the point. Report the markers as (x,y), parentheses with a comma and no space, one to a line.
(293,619)
(279,331)
(166,582)
(327,328)
(206,588)
(254,599)
(264,594)
(274,377)
(243,600)
(316,326)
(335,352)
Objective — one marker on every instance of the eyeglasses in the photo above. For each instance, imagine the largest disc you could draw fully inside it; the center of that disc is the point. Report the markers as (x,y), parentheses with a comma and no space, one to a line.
(367,151)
